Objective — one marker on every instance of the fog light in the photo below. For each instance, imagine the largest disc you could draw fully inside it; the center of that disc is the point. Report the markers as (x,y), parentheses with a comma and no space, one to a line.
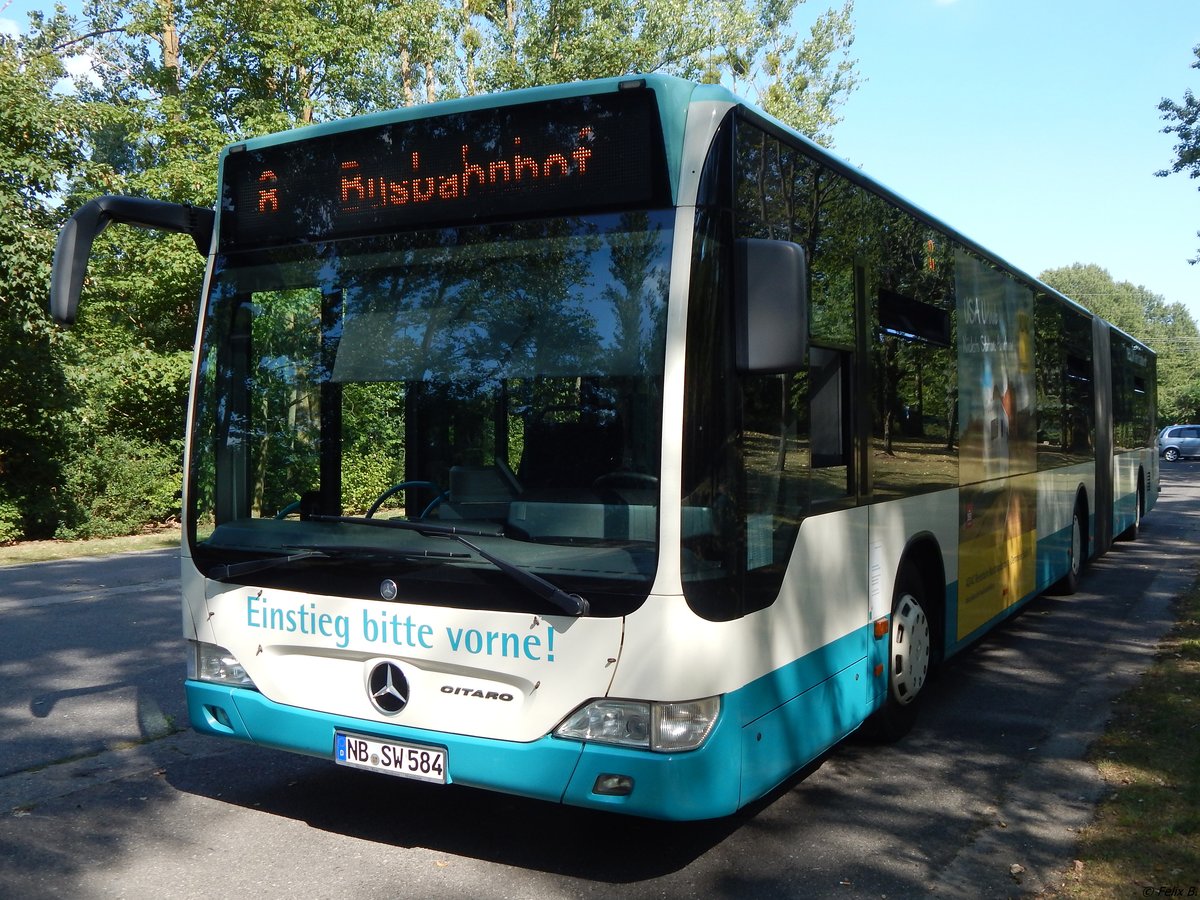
(613,785)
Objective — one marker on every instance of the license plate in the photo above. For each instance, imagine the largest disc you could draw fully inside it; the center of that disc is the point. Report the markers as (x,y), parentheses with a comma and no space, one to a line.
(418,761)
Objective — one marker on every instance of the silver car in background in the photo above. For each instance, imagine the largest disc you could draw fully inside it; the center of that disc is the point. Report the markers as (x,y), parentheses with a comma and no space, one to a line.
(1179,441)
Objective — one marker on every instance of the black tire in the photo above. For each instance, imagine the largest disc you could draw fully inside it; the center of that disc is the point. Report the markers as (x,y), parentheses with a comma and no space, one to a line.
(1171,454)
(1131,533)
(910,657)
(1076,553)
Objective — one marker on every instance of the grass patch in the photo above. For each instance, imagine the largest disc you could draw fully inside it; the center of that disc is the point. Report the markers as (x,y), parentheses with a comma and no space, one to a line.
(1145,840)
(45,551)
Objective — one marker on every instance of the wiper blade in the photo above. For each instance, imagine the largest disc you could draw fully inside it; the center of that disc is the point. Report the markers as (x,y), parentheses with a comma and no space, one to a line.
(221,573)
(437,528)
(572,604)
(356,551)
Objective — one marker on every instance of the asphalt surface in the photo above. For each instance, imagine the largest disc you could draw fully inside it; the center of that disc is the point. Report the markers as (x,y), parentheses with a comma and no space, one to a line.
(104,793)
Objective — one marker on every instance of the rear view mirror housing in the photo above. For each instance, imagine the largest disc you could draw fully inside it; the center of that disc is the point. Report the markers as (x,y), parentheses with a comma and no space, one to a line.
(75,240)
(771,300)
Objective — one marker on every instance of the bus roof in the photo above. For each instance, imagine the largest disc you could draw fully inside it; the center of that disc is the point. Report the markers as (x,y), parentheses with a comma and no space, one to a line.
(674,96)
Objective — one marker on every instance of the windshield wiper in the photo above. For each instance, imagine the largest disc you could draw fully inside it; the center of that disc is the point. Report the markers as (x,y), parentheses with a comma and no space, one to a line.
(220,573)
(572,604)
(417,525)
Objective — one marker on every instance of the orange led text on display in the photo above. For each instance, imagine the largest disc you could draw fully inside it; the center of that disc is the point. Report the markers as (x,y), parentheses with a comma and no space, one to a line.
(360,191)
(268,198)
(570,155)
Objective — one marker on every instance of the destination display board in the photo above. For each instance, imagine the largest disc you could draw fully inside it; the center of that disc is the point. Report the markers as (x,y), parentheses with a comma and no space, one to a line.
(576,154)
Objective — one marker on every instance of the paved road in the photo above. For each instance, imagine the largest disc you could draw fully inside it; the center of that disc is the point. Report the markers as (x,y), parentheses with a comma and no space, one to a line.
(90,656)
(91,662)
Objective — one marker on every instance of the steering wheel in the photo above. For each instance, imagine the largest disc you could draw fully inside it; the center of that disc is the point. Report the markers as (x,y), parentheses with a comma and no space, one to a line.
(439,496)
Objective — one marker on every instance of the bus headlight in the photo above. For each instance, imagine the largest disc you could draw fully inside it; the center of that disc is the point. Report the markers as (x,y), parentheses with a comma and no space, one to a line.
(208,662)
(662,727)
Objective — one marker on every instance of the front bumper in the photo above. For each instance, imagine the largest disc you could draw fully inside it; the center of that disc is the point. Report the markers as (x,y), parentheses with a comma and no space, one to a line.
(698,784)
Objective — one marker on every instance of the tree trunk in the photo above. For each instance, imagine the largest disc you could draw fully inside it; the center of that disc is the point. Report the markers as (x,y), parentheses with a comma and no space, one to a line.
(170,46)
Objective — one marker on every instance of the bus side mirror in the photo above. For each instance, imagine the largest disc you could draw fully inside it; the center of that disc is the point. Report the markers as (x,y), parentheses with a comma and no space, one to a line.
(771,298)
(77,235)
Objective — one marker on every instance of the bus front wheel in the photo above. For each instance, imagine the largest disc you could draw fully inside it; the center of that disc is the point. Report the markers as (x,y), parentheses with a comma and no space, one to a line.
(910,657)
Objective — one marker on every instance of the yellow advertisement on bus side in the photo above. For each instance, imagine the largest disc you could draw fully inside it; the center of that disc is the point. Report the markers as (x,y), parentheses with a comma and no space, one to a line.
(997,549)
(997,414)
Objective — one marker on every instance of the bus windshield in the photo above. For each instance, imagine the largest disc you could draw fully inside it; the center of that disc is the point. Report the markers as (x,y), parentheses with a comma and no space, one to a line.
(504,379)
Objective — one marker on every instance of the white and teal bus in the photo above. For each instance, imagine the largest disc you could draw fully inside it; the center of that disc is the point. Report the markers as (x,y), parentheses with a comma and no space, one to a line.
(612,444)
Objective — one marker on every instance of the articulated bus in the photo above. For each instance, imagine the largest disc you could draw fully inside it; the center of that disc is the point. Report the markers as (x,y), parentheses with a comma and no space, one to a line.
(612,444)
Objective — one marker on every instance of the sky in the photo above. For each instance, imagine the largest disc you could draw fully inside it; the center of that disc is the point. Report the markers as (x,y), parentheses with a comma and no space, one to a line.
(1031,126)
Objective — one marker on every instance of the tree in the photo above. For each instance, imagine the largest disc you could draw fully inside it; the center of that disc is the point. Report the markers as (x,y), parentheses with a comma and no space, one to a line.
(175,80)
(39,133)
(179,80)
(1185,125)
(753,46)
(803,83)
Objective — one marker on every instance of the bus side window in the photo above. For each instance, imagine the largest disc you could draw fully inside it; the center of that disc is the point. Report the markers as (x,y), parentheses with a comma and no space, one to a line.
(914,421)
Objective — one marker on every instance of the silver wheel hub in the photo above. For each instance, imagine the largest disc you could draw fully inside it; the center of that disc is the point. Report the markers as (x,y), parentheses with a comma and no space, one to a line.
(912,646)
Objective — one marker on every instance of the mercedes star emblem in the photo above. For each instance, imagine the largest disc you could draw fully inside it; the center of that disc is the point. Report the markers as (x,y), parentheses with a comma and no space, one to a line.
(388,688)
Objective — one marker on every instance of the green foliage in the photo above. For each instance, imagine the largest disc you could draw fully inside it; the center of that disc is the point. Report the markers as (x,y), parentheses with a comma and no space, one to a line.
(89,435)
(34,412)
(91,422)
(118,484)
(373,414)
(753,46)
(11,522)
(802,83)
(142,292)
(1185,125)
(139,394)
(371,474)
(38,146)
